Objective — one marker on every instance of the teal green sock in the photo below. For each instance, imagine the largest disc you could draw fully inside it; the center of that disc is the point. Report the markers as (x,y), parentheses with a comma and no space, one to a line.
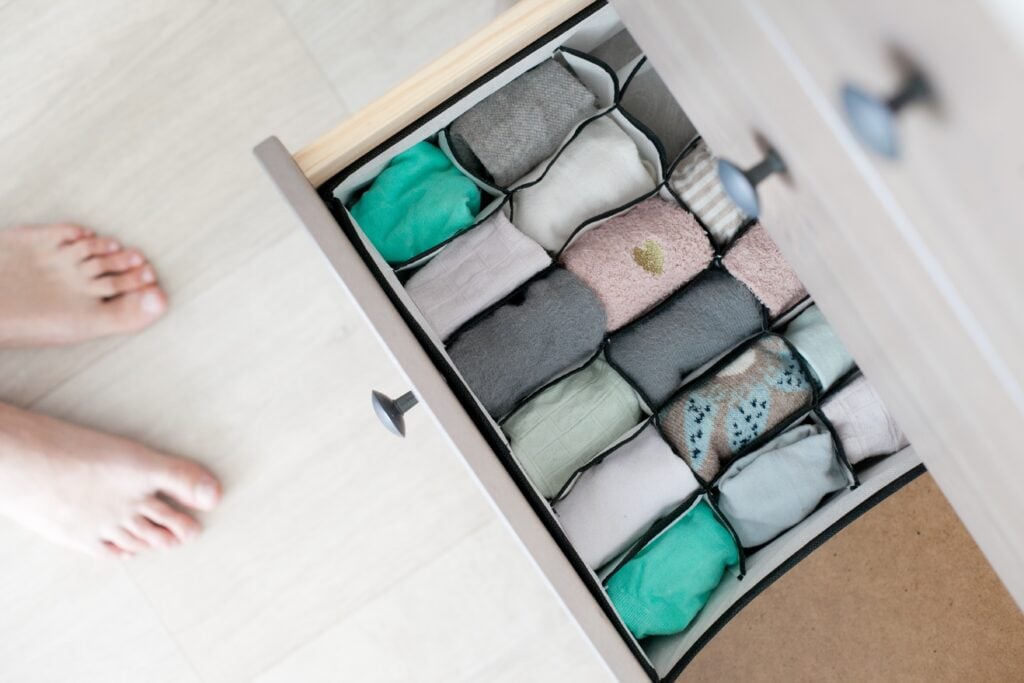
(666,584)
(418,201)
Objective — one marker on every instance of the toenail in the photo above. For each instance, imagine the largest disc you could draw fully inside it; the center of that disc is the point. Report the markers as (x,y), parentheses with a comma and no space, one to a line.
(206,494)
(135,260)
(148,275)
(113,246)
(151,303)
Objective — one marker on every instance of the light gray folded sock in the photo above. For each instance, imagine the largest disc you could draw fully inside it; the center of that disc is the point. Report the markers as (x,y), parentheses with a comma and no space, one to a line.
(778,485)
(523,344)
(522,124)
(615,501)
(814,338)
(714,314)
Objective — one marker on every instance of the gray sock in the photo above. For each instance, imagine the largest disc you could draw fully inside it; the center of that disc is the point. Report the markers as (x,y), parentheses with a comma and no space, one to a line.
(521,346)
(521,125)
(715,313)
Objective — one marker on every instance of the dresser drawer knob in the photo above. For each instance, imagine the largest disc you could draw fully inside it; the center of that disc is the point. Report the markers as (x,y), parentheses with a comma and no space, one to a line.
(391,412)
(741,186)
(873,119)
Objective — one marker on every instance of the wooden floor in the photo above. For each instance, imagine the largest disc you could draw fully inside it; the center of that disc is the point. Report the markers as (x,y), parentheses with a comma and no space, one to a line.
(340,553)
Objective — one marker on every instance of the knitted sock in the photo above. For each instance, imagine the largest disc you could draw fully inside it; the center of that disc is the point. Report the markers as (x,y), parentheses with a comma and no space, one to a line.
(615,501)
(758,263)
(521,125)
(637,258)
(695,179)
(812,336)
(556,324)
(716,417)
(474,271)
(709,317)
(862,422)
(777,486)
(564,426)
(663,587)
(418,201)
(599,170)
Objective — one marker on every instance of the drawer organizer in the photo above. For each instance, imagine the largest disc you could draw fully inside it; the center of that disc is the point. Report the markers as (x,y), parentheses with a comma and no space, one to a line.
(634,350)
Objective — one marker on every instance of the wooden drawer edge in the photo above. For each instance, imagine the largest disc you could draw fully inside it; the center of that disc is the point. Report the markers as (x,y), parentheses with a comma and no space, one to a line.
(445,408)
(522,24)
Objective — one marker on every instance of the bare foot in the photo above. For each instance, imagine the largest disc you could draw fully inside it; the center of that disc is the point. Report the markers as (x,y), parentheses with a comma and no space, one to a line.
(61,284)
(94,492)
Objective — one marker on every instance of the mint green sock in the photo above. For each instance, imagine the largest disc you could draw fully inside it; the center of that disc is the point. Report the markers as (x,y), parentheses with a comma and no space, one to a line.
(666,584)
(418,201)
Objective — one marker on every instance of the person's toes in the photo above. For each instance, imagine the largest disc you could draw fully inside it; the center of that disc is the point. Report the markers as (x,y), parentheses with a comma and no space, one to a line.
(122,283)
(125,540)
(62,233)
(190,484)
(110,550)
(153,534)
(88,247)
(132,311)
(182,525)
(118,262)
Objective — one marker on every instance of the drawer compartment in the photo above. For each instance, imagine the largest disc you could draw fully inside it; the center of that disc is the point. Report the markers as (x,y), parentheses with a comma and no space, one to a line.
(581,326)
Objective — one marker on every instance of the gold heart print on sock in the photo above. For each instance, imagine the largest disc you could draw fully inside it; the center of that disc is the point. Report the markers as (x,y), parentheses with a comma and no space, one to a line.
(651,257)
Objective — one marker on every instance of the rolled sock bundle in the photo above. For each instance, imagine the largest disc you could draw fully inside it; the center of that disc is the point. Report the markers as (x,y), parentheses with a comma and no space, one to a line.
(615,501)
(862,422)
(418,201)
(695,180)
(708,423)
(474,271)
(777,486)
(819,346)
(521,125)
(636,259)
(564,426)
(713,314)
(756,261)
(599,170)
(521,345)
(663,587)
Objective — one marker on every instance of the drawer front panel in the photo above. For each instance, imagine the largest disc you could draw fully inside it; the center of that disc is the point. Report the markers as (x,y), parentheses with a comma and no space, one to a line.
(903,324)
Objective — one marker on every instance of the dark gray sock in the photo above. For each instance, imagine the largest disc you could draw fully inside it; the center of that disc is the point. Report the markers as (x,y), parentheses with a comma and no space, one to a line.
(522,345)
(649,100)
(514,129)
(714,314)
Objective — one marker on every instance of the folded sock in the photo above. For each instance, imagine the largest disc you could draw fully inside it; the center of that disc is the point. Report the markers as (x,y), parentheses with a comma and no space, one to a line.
(777,486)
(564,426)
(718,416)
(663,587)
(819,346)
(756,261)
(862,422)
(521,125)
(695,180)
(555,324)
(636,259)
(713,314)
(418,201)
(599,170)
(474,271)
(613,502)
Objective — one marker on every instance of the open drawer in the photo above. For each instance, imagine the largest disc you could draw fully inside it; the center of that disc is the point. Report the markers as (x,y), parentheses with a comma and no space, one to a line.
(324,182)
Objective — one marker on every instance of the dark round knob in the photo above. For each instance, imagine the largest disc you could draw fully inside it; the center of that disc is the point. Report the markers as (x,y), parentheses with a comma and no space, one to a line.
(741,186)
(391,412)
(873,119)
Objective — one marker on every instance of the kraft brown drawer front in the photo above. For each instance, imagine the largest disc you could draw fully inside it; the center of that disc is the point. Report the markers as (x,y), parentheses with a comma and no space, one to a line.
(620,353)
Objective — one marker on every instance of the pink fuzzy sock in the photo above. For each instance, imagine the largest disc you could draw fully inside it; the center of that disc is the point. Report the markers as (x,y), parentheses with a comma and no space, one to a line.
(636,259)
(755,261)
